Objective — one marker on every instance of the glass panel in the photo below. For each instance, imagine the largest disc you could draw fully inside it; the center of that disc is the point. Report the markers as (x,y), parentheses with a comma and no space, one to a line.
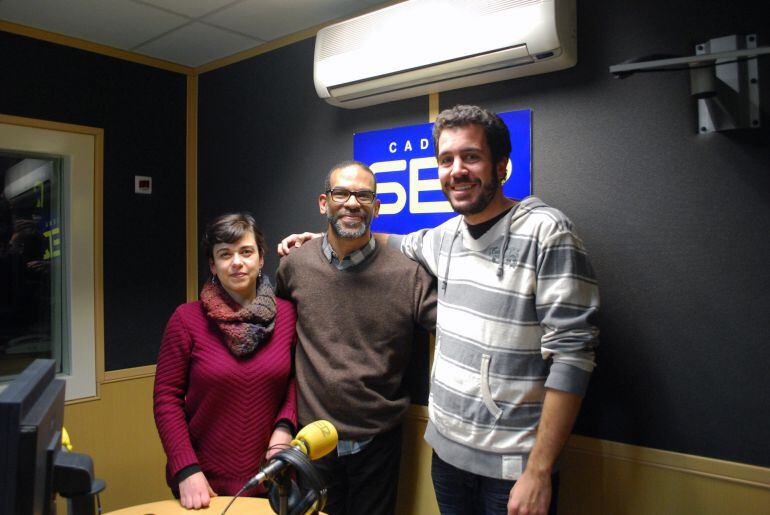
(31,262)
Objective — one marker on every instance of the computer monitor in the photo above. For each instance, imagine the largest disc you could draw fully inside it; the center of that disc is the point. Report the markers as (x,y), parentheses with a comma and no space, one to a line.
(31,416)
(33,466)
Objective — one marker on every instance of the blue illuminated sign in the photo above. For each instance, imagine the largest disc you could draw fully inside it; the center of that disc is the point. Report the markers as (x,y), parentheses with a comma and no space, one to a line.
(407,175)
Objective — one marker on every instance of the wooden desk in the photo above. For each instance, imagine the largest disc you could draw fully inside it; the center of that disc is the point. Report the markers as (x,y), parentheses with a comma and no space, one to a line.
(241,506)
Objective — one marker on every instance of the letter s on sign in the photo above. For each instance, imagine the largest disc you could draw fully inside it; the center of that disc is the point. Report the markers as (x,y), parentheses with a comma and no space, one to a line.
(390,187)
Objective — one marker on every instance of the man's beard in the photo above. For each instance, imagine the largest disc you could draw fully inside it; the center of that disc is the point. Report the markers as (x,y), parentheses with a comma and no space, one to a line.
(346,232)
(488,190)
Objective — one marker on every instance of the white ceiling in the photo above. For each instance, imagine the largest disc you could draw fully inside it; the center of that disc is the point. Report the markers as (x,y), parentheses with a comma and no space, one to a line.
(186,32)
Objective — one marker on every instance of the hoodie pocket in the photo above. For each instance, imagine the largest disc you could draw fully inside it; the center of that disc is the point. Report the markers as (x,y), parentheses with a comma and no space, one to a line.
(486,394)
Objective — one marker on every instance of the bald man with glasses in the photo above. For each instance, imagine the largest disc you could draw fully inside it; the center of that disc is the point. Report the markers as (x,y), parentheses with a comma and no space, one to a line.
(358,304)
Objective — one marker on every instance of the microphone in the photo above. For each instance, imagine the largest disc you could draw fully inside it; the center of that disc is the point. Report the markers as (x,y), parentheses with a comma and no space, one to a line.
(315,440)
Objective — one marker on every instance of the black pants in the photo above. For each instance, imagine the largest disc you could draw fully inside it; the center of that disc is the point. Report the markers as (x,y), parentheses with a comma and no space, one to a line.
(365,482)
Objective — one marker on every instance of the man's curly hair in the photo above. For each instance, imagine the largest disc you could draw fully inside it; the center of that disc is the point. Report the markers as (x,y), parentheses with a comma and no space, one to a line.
(495,130)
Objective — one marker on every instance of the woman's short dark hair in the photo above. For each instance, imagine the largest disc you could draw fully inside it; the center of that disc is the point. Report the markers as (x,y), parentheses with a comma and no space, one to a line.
(495,130)
(229,228)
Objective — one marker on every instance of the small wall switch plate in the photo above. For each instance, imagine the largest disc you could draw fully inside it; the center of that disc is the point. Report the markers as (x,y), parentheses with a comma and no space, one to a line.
(142,184)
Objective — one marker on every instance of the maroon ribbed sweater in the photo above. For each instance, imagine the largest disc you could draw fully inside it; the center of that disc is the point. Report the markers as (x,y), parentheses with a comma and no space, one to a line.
(215,409)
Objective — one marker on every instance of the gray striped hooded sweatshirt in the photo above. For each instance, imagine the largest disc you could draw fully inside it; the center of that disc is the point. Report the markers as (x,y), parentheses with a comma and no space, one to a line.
(516,312)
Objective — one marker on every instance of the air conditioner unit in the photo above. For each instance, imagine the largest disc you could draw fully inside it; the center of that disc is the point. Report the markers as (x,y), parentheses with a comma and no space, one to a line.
(427,46)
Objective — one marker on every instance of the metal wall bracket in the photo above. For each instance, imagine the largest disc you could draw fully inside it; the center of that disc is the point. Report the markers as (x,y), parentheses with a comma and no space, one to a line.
(727,93)
(724,77)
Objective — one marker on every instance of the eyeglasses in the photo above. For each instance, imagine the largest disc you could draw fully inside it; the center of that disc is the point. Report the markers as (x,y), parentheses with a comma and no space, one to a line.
(341,195)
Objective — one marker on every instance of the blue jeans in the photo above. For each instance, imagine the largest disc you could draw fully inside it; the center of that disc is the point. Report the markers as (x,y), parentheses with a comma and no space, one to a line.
(464,493)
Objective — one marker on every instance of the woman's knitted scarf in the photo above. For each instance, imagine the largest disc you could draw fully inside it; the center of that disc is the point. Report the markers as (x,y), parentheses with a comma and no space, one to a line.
(245,327)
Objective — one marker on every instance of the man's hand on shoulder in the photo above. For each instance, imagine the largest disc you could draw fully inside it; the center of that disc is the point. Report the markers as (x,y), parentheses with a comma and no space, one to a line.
(295,240)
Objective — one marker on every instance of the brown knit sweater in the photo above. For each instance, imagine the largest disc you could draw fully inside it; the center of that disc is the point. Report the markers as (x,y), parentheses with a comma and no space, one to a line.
(355,330)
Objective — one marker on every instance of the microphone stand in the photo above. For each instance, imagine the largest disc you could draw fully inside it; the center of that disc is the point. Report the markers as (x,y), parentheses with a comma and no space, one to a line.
(283,482)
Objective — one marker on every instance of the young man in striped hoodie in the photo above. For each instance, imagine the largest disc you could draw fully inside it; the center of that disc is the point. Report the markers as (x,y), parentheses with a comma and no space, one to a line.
(515,332)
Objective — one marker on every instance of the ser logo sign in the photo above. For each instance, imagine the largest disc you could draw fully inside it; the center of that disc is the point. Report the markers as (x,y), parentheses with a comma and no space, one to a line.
(404,162)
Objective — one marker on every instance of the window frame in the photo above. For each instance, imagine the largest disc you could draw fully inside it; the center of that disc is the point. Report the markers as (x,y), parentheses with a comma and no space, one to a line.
(82,147)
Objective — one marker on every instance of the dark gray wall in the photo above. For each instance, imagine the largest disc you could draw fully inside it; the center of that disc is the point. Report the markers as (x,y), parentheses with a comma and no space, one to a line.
(677,223)
(266,141)
(142,111)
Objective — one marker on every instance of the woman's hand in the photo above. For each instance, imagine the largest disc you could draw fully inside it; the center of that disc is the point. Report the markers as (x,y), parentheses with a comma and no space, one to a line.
(280,440)
(195,492)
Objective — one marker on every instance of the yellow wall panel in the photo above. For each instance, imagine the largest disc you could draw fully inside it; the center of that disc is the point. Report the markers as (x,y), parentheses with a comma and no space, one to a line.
(602,477)
(118,432)
(598,477)
(415,488)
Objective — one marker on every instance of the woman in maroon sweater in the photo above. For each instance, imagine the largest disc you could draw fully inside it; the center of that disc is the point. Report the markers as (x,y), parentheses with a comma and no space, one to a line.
(224,396)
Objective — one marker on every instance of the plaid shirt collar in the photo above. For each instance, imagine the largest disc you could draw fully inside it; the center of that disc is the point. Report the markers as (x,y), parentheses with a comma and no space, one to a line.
(354,258)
